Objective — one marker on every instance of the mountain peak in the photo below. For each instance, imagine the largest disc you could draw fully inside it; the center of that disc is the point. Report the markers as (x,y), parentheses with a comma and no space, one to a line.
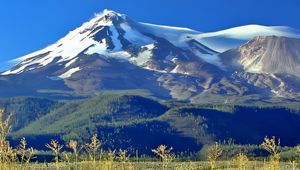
(269,38)
(108,12)
(109,15)
(273,39)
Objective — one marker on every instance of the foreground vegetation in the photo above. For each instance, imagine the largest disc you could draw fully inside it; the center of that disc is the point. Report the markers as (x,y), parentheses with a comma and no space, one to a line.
(92,156)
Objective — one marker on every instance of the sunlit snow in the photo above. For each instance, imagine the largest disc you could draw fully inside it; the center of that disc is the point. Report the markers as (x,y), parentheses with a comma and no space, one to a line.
(69,73)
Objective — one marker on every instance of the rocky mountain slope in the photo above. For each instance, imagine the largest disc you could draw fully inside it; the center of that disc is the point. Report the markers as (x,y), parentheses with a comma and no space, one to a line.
(269,62)
(268,54)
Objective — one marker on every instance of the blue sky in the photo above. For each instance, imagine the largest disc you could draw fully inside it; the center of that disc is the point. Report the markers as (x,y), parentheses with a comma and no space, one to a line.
(30,25)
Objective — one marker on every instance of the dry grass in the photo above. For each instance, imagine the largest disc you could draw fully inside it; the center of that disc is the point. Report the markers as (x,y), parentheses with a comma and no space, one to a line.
(115,165)
(241,161)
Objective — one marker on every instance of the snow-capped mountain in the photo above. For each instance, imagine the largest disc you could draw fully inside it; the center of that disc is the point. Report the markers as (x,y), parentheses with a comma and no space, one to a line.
(114,52)
(114,35)
(111,51)
(234,37)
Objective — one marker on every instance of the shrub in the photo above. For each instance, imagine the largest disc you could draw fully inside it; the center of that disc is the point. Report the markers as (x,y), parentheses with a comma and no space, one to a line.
(55,148)
(74,146)
(7,154)
(24,153)
(214,152)
(93,147)
(273,147)
(164,154)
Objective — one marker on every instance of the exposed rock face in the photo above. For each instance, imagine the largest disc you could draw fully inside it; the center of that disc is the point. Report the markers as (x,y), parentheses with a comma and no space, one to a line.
(270,55)
(268,62)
